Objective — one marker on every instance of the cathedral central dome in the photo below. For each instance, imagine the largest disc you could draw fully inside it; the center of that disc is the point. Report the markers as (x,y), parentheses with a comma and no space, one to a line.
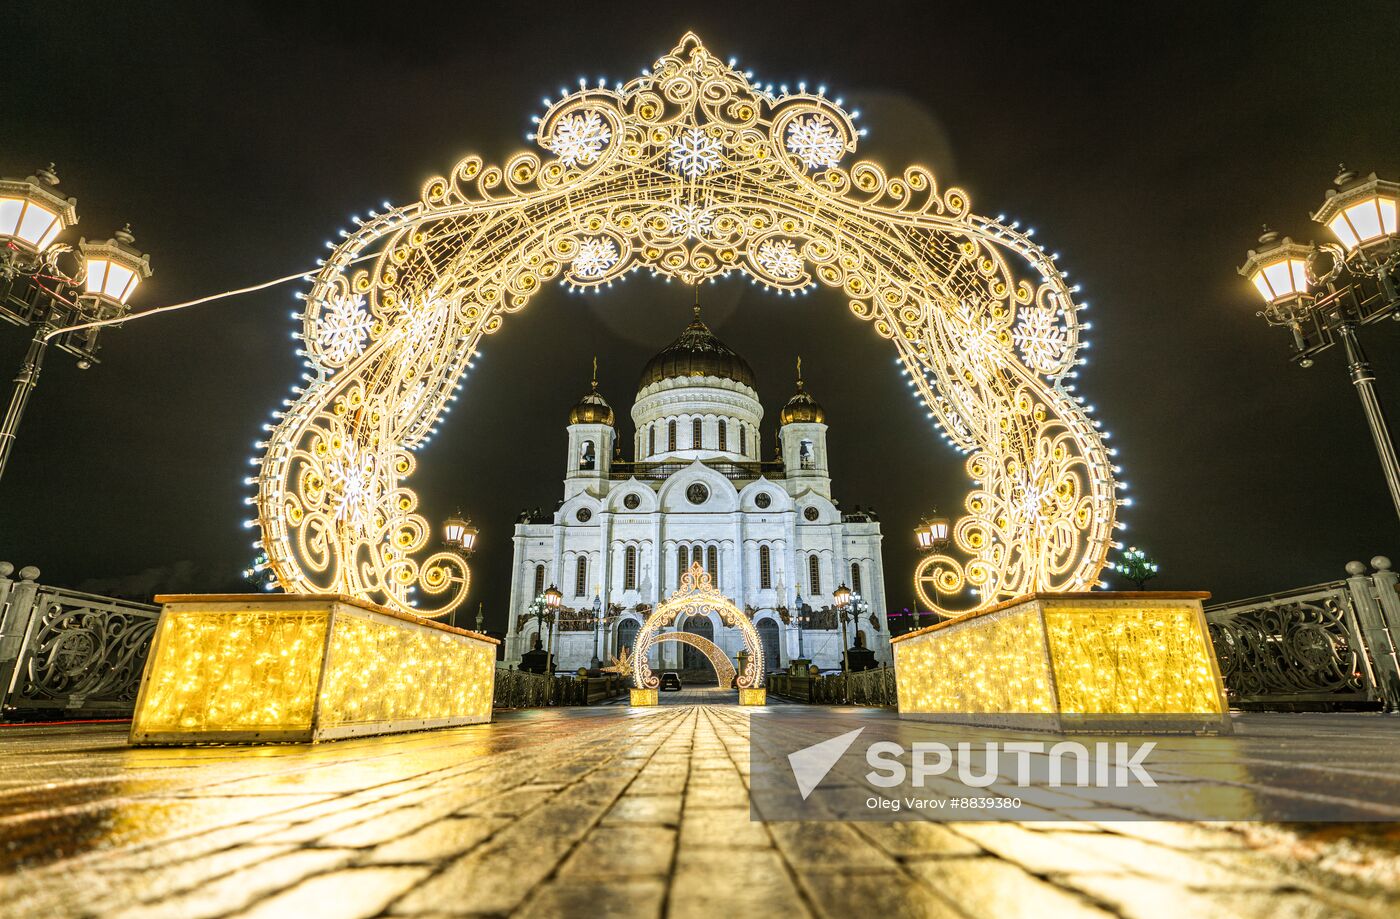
(697,353)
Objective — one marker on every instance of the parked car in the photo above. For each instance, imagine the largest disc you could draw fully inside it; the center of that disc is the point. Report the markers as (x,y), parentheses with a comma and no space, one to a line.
(670,680)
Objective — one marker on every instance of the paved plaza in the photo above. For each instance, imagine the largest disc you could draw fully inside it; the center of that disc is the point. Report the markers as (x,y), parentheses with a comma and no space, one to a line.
(606,811)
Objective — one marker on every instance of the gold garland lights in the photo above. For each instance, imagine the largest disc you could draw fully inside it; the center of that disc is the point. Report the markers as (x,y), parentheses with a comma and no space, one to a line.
(694,172)
(697,596)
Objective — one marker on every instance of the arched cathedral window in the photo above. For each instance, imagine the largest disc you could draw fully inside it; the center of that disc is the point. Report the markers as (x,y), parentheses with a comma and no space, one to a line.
(671,435)
(539,580)
(855,576)
(765,568)
(743,440)
(712,562)
(696,430)
(581,576)
(651,440)
(814,576)
(723,434)
(629,569)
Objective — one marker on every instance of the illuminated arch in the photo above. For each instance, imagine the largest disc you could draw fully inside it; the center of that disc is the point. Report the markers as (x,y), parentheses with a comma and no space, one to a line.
(693,172)
(724,669)
(696,596)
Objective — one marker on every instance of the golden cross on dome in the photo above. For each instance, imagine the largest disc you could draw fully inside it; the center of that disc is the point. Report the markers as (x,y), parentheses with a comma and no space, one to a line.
(595,371)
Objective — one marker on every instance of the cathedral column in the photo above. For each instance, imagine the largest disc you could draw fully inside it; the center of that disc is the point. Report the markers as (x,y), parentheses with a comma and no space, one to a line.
(740,561)
(605,531)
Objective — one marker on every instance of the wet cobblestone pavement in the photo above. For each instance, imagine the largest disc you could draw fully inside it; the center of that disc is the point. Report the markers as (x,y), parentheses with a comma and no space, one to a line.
(605,811)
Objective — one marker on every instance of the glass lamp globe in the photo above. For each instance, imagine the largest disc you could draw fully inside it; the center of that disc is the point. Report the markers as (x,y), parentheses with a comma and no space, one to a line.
(842,596)
(1278,269)
(114,269)
(553,597)
(32,213)
(1361,213)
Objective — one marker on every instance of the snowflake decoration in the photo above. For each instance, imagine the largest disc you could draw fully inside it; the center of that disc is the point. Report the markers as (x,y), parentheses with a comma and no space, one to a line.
(814,141)
(352,489)
(690,221)
(694,153)
(1032,496)
(1041,340)
(342,328)
(779,258)
(579,139)
(595,256)
(982,346)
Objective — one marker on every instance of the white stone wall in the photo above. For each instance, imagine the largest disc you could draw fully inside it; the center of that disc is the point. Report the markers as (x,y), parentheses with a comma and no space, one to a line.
(800,522)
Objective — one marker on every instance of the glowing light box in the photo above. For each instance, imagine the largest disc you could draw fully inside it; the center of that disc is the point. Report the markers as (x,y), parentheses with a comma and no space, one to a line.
(753,696)
(261,668)
(645,697)
(1065,661)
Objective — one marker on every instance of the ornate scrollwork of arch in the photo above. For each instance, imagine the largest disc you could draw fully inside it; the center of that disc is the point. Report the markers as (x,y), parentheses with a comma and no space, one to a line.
(696,596)
(693,172)
(724,669)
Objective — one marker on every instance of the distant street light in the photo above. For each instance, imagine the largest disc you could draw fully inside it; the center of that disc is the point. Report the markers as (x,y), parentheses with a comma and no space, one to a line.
(1324,292)
(35,290)
(458,534)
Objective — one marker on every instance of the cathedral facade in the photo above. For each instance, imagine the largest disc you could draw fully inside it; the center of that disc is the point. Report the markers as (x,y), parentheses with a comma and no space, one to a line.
(697,491)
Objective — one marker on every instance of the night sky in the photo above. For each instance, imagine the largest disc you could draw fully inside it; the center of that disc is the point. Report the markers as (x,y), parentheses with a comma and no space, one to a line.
(1146,143)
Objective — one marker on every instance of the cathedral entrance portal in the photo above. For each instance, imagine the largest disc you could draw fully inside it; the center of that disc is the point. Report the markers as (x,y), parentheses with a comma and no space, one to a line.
(704,650)
(697,596)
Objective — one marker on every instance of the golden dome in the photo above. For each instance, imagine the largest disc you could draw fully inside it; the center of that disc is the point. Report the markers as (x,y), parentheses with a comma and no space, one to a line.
(697,353)
(592,408)
(802,408)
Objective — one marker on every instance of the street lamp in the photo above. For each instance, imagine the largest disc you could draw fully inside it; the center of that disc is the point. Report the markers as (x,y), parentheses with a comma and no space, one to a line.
(932,534)
(932,537)
(458,534)
(1324,292)
(597,623)
(842,596)
(552,598)
(35,291)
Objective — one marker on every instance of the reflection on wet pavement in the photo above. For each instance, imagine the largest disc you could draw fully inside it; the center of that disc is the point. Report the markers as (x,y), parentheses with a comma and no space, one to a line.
(599,811)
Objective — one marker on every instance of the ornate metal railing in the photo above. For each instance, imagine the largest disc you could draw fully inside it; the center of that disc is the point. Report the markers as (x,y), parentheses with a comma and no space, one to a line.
(70,654)
(1328,646)
(522,689)
(660,471)
(874,688)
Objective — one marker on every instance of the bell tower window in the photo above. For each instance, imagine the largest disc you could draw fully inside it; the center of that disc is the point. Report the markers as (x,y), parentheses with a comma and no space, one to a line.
(587,458)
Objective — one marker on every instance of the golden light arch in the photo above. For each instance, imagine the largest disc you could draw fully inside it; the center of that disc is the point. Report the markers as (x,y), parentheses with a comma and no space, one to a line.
(693,172)
(724,669)
(696,596)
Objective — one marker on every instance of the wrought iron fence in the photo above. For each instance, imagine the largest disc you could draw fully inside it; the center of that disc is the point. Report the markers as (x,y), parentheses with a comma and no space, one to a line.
(1327,646)
(874,688)
(522,689)
(68,653)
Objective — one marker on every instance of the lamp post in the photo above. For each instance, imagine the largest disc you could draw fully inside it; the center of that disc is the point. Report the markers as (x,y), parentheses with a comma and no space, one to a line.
(842,596)
(1325,292)
(35,290)
(797,615)
(459,536)
(597,624)
(931,535)
(552,598)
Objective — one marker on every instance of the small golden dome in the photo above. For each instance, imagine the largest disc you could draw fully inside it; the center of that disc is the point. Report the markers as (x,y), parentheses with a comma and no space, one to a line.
(802,408)
(592,408)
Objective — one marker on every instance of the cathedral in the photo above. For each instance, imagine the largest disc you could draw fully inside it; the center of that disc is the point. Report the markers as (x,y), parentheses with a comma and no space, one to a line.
(697,490)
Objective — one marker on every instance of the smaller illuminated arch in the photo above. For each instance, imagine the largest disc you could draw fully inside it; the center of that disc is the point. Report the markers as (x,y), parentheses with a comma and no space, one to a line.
(696,595)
